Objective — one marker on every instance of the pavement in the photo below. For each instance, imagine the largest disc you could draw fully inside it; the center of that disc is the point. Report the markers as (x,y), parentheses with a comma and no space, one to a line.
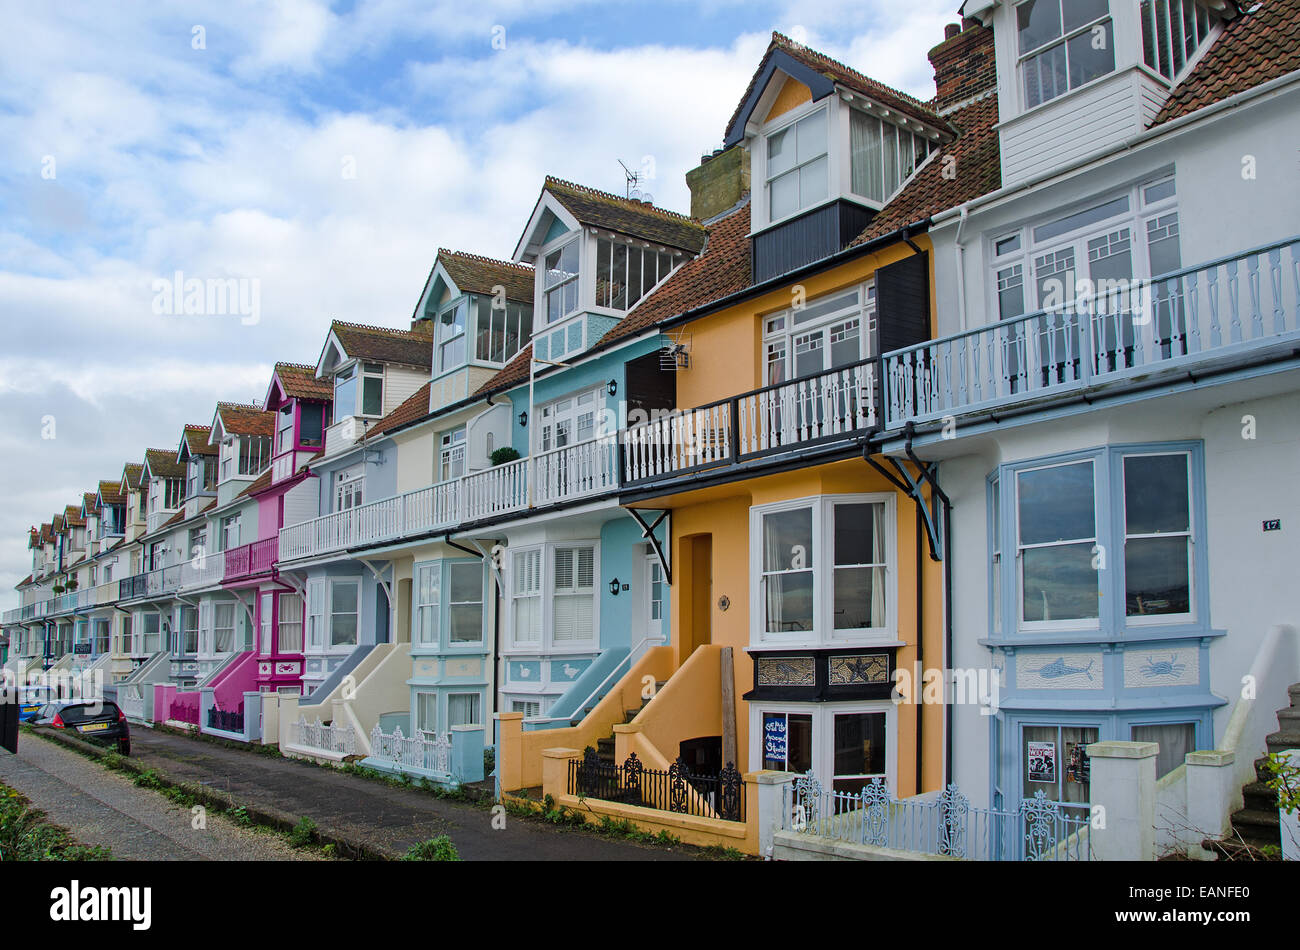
(99,807)
(381,819)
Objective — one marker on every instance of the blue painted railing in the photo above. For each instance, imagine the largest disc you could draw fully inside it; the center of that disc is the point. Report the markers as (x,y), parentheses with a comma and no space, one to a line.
(945,824)
(1213,311)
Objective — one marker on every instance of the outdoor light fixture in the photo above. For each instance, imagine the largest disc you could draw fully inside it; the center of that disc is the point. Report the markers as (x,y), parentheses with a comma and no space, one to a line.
(613,387)
(523,419)
(613,587)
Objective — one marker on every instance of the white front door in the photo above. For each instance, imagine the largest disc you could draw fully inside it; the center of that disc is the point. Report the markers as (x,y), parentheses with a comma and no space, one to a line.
(656,600)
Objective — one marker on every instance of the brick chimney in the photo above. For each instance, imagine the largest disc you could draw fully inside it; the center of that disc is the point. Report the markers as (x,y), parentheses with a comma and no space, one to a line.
(718,182)
(963,63)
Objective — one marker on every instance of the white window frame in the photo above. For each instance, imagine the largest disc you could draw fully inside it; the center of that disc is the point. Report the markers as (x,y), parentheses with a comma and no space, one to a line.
(1063,39)
(349,488)
(293,643)
(545,642)
(604,244)
(452,446)
(446,362)
(476,707)
(559,246)
(931,149)
(1028,250)
(477,566)
(368,371)
(823,554)
(787,122)
(823,734)
(427,603)
(1119,499)
(217,609)
(330,645)
(780,329)
(567,410)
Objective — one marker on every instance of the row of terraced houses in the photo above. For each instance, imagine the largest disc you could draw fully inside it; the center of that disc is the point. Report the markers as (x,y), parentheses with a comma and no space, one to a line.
(656,512)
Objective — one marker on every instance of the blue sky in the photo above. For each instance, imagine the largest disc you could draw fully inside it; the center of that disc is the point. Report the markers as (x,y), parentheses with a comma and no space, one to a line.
(215,138)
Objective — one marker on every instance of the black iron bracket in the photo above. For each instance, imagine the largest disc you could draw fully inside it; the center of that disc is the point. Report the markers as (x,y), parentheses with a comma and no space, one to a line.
(648,532)
(910,484)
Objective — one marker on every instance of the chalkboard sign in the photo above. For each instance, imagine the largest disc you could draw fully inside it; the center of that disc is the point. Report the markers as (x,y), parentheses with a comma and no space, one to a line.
(774,737)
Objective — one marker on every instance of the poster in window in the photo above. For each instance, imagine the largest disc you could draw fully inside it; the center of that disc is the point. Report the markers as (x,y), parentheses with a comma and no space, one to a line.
(1077,766)
(774,737)
(1042,761)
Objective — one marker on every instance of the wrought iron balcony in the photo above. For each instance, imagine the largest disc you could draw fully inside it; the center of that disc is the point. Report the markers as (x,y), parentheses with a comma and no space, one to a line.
(1233,308)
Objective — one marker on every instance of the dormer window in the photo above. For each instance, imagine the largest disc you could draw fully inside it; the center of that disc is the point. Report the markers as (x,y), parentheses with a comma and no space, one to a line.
(371,376)
(1062,44)
(1172,33)
(284,429)
(372,389)
(451,336)
(797,167)
(625,272)
(560,282)
(882,155)
(501,331)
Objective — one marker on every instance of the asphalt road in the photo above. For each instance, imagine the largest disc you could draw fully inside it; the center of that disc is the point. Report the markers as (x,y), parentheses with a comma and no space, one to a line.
(389,819)
(100,807)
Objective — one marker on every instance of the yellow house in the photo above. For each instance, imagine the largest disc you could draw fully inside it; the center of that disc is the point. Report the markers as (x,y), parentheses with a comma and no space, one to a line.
(803,585)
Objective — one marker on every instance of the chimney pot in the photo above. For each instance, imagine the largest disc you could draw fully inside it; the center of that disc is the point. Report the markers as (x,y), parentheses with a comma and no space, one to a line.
(951,30)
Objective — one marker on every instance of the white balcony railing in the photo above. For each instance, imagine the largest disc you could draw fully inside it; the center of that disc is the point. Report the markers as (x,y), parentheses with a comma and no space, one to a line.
(1172,325)
(341,740)
(573,471)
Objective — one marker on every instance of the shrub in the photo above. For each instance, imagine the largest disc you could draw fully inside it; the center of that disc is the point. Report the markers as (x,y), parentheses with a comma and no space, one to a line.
(303,833)
(435,849)
(507,453)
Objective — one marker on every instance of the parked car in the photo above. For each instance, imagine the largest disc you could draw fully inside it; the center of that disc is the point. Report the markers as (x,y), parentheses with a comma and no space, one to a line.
(31,699)
(101,722)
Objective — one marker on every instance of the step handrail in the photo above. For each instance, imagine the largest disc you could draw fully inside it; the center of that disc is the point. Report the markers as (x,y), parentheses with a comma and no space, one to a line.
(575,719)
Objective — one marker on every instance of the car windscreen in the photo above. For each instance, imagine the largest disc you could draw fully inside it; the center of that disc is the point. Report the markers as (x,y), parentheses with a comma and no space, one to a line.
(83,713)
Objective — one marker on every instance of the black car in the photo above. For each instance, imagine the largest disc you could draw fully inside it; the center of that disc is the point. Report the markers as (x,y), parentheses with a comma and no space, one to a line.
(102,721)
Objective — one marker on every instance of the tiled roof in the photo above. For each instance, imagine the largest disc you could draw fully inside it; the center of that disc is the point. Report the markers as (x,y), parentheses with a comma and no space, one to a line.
(196,440)
(415,407)
(474,274)
(111,493)
(845,76)
(25,581)
(258,484)
(72,517)
(975,169)
(300,382)
(133,471)
(47,533)
(413,347)
(90,501)
(244,419)
(723,268)
(626,216)
(513,372)
(1256,46)
(162,463)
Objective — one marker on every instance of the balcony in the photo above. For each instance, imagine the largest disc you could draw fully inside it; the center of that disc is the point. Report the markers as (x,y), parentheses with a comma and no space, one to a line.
(250,560)
(584,469)
(1232,311)
(820,410)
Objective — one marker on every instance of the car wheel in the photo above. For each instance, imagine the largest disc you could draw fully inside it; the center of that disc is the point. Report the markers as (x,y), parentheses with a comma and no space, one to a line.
(124,746)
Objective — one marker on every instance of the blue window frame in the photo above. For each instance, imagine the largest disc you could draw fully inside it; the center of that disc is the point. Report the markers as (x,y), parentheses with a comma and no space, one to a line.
(1104,544)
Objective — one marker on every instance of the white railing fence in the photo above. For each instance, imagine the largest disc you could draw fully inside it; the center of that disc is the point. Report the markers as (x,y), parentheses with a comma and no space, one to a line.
(416,752)
(328,738)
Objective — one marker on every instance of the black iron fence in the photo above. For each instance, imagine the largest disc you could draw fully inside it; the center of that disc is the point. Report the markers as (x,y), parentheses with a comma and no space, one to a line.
(717,795)
(228,721)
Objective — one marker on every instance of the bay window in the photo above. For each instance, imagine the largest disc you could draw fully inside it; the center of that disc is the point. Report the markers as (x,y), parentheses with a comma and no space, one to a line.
(824,569)
(223,628)
(526,596)
(189,632)
(344,608)
(311,424)
(1062,45)
(150,633)
(372,389)
(845,745)
(345,390)
(462,709)
(1173,32)
(1104,541)
(574,593)
(426,713)
(465,602)
(798,175)
(428,597)
(560,281)
(254,454)
(289,623)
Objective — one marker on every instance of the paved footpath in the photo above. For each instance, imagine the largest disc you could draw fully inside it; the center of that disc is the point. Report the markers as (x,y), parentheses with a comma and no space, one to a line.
(106,808)
(387,818)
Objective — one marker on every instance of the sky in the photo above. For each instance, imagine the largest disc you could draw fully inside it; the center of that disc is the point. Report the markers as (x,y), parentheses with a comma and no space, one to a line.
(318,154)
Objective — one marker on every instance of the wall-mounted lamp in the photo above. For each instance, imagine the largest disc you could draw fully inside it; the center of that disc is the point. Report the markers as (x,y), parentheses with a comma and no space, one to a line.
(614,587)
(613,387)
(523,419)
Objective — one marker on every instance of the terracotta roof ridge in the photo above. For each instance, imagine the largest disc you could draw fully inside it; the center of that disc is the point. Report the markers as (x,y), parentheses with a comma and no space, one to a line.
(484,259)
(551,180)
(302,366)
(240,405)
(366,326)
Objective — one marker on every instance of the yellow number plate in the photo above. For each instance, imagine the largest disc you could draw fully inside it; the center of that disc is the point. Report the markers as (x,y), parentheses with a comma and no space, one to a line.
(95,727)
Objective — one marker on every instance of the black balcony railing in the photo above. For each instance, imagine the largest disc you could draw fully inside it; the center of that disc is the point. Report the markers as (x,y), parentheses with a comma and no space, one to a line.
(678,790)
(226,720)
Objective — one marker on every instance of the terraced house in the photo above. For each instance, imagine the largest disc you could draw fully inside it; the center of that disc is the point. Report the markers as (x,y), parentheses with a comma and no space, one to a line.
(942,446)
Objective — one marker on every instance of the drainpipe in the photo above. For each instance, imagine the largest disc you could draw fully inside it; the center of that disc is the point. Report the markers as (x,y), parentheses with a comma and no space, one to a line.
(960,243)
(920,651)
